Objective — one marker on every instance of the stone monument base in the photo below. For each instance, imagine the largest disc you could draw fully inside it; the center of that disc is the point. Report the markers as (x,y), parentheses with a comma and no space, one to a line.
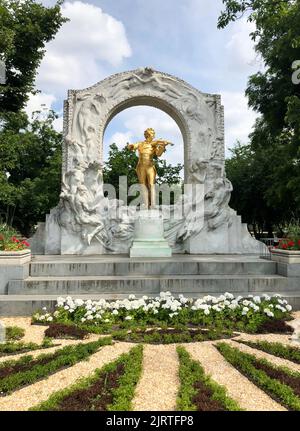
(148,239)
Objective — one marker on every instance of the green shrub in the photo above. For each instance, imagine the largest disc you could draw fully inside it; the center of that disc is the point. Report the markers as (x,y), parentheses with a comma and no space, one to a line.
(13,333)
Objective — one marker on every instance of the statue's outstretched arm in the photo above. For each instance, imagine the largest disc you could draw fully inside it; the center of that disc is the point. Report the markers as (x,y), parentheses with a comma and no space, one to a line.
(133,147)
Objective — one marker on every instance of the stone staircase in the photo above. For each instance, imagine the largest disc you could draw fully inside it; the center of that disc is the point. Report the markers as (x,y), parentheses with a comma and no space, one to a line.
(117,276)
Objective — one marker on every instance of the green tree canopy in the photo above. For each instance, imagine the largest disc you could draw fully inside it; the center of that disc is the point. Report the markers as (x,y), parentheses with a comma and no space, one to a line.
(25,28)
(275,140)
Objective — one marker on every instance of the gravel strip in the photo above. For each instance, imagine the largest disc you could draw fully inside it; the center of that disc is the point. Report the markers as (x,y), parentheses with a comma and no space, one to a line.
(264,355)
(40,391)
(247,395)
(159,383)
(60,345)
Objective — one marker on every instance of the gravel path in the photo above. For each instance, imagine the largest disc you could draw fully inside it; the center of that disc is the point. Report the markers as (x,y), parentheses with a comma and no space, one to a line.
(159,383)
(260,354)
(33,333)
(248,396)
(40,391)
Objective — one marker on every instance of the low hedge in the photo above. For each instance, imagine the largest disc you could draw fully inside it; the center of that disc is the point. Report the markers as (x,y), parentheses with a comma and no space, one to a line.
(191,372)
(245,363)
(277,349)
(121,396)
(53,362)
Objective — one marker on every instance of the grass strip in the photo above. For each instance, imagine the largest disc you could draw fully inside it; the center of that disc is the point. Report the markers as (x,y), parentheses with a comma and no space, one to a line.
(109,388)
(198,392)
(277,349)
(12,348)
(247,364)
(30,370)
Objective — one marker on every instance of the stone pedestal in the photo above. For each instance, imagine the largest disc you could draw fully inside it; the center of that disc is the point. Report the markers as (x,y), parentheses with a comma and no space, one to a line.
(148,240)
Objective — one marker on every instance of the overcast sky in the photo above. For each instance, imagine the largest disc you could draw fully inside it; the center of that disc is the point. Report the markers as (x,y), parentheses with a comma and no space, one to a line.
(179,37)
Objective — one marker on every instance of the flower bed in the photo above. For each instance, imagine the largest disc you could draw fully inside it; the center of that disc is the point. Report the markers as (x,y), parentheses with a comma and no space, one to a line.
(111,388)
(281,384)
(15,374)
(224,312)
(197,391)
(10,239)
(12,348)
(277,349)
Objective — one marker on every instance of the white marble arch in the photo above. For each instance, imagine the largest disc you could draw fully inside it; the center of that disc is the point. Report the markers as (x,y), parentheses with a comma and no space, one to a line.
(84,222)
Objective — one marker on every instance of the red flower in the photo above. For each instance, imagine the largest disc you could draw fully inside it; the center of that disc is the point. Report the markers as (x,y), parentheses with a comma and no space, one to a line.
(285,246)
(291,244)
(25,243)
(299,242)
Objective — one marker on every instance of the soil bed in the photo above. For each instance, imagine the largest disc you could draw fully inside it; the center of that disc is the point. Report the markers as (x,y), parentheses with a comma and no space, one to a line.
(285,378)
(60,330)
(96,397)
(203,399)
(165,336)
(275,327)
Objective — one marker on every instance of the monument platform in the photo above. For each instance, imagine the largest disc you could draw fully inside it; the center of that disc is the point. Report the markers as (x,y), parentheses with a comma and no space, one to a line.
(117,276)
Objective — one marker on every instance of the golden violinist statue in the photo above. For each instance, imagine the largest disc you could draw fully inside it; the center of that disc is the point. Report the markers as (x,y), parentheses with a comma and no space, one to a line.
(145,169)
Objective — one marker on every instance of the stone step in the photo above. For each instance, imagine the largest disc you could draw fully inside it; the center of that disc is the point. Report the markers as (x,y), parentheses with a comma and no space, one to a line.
(26,305)
(168,266)
(153,284)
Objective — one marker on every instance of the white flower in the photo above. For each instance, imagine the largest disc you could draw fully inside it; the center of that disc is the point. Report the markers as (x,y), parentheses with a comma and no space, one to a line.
(128,318)
(229,295)
(288,307)
(42,317)
(49,319)
(115,312)
(257,299)
(66,307)
(245,311)
(83,320)
(206,311)
(44,308)
(266,297)
(106,321)
(90,317)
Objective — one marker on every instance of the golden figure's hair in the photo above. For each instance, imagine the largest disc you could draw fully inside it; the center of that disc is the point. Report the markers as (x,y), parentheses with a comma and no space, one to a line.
(149,130)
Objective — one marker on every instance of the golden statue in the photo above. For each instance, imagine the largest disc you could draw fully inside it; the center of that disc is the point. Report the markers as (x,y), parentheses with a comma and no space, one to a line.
(145,169)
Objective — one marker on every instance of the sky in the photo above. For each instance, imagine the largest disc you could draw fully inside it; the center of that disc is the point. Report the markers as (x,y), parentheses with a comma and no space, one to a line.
(179,37)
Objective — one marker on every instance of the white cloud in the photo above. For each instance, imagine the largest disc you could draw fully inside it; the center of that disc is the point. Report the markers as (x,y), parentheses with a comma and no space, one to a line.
(239,118)
(39,102)
(122,138)
(82,48)
(240,48)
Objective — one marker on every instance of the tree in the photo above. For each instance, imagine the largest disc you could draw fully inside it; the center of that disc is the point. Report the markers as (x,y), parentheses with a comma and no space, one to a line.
(272,93)
(30,151)
(30,166)
(25,28)
(123,163)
